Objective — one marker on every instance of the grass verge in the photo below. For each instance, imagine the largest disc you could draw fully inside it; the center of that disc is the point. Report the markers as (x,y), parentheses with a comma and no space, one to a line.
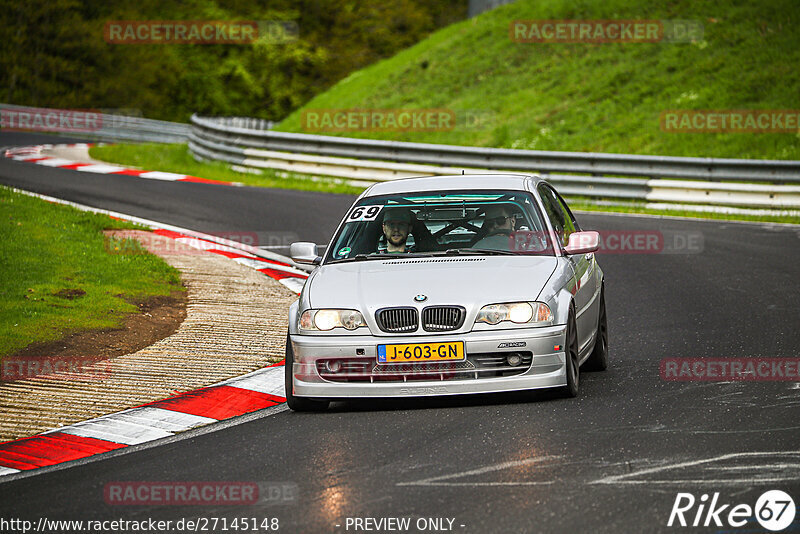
(57,276)
(586,97)
(177,158)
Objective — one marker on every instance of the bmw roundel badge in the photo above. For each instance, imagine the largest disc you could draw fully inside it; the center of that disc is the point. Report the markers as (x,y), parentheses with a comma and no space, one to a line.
(421,298)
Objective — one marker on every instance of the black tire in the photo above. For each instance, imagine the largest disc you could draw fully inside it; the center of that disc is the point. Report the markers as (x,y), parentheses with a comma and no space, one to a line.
(298,404)
(573,359)
(598,360)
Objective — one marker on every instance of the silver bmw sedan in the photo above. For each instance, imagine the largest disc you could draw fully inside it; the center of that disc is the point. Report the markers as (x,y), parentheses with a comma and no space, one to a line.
(448,285)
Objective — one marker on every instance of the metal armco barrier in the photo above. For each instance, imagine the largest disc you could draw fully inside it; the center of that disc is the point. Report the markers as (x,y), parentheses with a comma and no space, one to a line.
(696,181)
(92,124)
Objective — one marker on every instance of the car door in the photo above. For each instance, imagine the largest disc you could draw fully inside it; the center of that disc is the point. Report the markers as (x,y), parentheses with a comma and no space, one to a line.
(583,265)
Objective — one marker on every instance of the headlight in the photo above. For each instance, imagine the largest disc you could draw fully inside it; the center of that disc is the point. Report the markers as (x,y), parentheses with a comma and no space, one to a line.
(516,312)
(329,319)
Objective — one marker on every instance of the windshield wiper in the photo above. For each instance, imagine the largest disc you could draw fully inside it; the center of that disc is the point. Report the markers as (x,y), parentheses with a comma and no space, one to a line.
(361,257)
(486,251)
(374,256)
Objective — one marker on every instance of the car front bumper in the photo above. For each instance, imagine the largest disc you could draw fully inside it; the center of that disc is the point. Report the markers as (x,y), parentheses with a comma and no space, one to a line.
(547,368)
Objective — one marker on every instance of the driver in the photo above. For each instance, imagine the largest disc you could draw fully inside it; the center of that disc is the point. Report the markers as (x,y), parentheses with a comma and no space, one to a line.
(396,227)
(499,225)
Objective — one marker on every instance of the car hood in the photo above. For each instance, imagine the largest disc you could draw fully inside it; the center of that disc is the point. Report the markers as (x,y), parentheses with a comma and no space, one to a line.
(370,285)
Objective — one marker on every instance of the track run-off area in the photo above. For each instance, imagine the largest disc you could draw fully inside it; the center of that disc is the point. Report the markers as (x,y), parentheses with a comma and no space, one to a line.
(615,458)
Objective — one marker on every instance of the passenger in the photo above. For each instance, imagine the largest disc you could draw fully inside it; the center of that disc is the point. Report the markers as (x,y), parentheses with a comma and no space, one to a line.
(396,227)
(499,225)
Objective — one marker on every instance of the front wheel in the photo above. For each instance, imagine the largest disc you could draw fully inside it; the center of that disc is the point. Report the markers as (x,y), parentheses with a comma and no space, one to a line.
(598,360)
(573,361)
(298,404)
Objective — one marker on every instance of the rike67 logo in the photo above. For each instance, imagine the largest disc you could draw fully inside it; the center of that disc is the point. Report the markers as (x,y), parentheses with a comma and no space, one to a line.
(774,510)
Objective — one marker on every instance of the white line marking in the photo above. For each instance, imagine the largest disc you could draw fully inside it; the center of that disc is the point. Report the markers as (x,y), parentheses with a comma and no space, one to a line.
(7,470)
(149,416)
(709,481)
(109,429)
(294,284)
(255,264)
(100,168)
(159,175)
(754,467)
(269,380)
(159,418)
(252,263)
(478,484)
(437,481)
(743,431)
(621,479)
(54,162)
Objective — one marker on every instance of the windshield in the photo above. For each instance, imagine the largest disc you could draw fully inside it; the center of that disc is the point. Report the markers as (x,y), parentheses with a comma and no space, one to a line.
(448,222)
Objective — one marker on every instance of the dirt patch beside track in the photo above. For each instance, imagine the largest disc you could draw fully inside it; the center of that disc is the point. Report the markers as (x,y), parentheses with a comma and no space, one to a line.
(158,317)
(236,321)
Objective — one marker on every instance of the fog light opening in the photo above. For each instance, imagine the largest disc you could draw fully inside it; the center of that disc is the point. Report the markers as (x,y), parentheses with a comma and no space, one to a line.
(333,366)
(513,359)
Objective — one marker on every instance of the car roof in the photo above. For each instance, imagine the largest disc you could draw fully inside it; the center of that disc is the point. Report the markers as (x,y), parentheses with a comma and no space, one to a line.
(512,182)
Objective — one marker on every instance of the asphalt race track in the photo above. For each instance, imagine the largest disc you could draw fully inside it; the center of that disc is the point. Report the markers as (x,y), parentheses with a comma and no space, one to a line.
(272,214)
(612,460)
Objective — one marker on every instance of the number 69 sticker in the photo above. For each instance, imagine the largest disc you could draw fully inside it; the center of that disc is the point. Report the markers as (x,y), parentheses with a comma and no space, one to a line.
(364,213)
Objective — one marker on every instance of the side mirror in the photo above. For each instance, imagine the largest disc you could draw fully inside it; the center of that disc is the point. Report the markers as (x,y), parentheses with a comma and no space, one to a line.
(304,252)
(583,242)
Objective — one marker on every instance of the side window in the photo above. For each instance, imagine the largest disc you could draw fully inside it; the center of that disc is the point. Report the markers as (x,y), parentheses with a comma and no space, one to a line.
(558,213)
(571,223)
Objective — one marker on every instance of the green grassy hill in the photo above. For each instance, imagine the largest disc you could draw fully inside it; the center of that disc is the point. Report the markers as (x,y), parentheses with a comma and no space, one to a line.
(592,97)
